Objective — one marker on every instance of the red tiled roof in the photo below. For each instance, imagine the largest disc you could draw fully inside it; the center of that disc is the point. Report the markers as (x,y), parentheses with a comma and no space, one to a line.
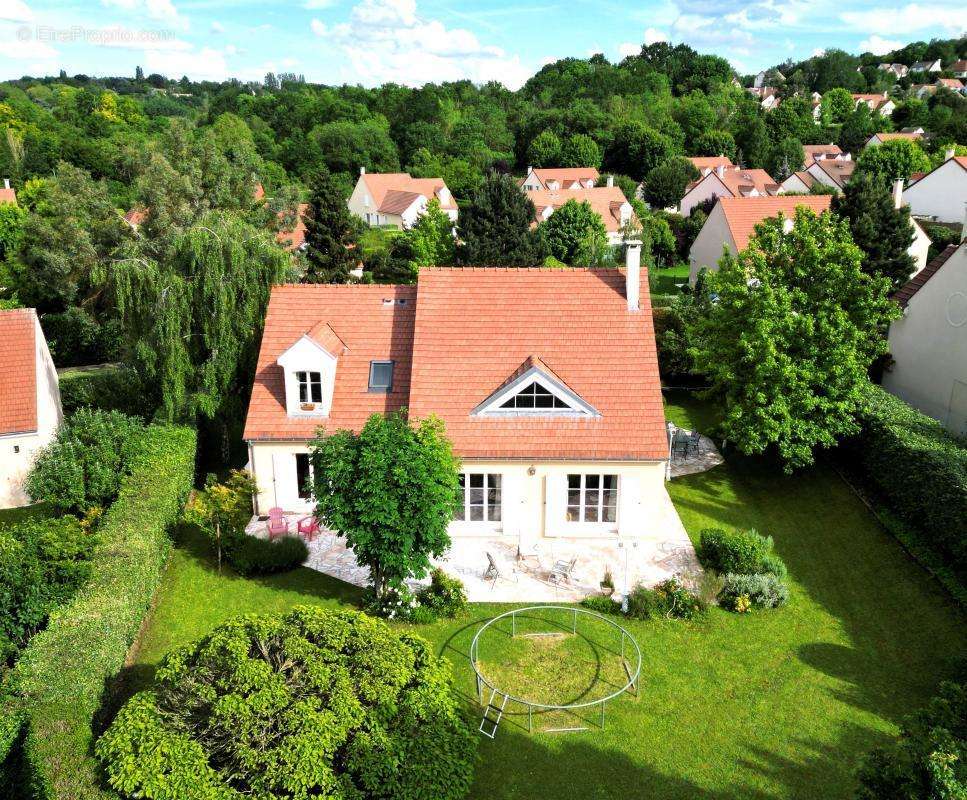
(807,179)
(839,171)
(396,201)
(565,175)
(810,151)
(379,183)
(606,201)
(475,327)
(323,334)
(742,214)
(371,329)
(951,83)
(702,163)
(294,239)
(8,195)
(915,284)
(18,366)
(740,182)
(136,216)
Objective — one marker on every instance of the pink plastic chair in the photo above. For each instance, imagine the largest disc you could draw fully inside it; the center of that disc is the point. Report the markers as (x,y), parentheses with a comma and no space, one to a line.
(278,525)
(308,527)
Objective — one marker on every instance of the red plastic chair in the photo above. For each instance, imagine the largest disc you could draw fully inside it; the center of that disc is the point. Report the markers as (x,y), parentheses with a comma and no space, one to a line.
(278,525)
(308,527)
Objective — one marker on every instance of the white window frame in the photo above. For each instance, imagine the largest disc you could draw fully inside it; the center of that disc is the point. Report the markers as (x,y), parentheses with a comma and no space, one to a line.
(308,383)
(600,523)
(486,522)
(491,407)
(310,477)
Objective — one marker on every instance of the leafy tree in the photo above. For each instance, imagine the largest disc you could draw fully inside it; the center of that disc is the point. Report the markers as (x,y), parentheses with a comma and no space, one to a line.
(580,150)
(790,338)
(752,139)
(665,185)
(312,703)
(714,143)
(223,509)
(658,233)
(544,150)
(431,238)
(83,466)
(575,230)
(785,158)
(495,229)
(859,127)
(835,106)
(330,233)
(894,160)
(637,149)
(884,233)
(390,490)
(346,146)
(11,229)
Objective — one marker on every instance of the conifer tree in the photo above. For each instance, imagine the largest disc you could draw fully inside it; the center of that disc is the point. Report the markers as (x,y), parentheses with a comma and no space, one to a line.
(330,233)
(495,230)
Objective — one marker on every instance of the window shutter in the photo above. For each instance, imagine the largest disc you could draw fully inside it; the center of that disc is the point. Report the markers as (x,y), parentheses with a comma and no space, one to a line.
(630,516)
(555,503)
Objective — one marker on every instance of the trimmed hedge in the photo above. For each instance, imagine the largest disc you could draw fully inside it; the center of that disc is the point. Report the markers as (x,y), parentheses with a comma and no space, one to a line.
(249,555)
(61,676)
(918,470)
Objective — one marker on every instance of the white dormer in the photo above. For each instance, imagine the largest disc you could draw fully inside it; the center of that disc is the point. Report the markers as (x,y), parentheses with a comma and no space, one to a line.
(625,213)
(443,195)
(309,367)
(553,185)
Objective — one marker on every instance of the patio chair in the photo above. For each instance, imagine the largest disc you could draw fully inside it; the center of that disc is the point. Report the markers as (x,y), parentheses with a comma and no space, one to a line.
(563,570)
(492,571)
(680,444)
(277,525)
(693,442)
(308,528)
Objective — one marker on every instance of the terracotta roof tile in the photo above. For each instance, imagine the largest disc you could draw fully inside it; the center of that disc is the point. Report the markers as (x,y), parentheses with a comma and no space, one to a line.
(396,201)
(323,334)
(743,213)
(911,287)
(838,171)
(606,201)
(702,163)
(565,175)
(379,183)
(296,238)
(8,195)
(18,368)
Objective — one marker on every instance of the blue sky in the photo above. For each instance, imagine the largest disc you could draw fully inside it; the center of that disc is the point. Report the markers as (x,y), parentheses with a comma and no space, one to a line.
(415,41)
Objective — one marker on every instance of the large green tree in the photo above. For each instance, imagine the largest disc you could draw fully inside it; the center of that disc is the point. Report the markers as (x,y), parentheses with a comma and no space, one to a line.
(637,148)
(495,229)
(576,234)
(391,490)
(665,185)
(330,233)
(894,160)
(787,344)
(883,232)
(432,237)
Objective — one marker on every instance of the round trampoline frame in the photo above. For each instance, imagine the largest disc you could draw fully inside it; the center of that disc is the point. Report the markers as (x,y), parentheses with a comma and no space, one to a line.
(632,673)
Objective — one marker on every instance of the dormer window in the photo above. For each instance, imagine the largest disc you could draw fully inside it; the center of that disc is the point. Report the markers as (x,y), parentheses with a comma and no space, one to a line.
(535,396)
(534,390)
(380,376)
(310,387)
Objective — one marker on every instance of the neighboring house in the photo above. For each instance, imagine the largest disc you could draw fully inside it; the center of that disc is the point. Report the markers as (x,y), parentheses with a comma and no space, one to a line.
(922,90)
(30,410)
(832,172)
(959,69)
(768,96)
(879,138)
(941,193)
(954,84)
(929,343)
(294,240)
(546,380)
(797,183)
(559,178)
(8,194)
(880,103)
(732,222)
(707,164)
(926,66)
(396,199)
(760,79)
(920,247)
(723,182)
(608,202)
(898,70)
(815,152)
(136,217)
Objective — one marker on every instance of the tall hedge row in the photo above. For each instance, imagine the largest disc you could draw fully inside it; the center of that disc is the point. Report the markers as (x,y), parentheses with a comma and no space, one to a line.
(60,678)
(920,472)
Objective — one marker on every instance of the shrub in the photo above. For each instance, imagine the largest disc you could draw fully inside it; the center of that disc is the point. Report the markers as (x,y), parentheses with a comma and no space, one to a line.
(601,604)
(734,551)
(929,759)
(249,555)
(762,590)
(61,674)
(75,338)
(668,599)
(42,562)
(86,462)
(311,703)
(445,596)
(919,471)
(396,602)
(772,564)
(109,389)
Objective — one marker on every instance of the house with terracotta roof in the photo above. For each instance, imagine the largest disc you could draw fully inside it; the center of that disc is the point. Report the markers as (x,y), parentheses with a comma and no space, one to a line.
(546,381)
(30,410)
(768,96)
(707,164)
(722,182)
(941,194)
(800,182)
(397,199)
(559,178)
(608,202)
(926,66)
(732,222)
(832,172)
(879,138)
(959,69)
(897,70)
(8,194)
(953,84)
(928,345)
(817,152)
(878,103)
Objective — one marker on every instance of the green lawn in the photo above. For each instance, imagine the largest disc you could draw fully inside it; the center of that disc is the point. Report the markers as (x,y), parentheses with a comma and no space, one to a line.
(664,280)
(775,704)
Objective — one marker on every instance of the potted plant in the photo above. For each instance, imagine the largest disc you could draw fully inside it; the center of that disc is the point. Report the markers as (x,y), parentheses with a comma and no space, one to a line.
(607,583)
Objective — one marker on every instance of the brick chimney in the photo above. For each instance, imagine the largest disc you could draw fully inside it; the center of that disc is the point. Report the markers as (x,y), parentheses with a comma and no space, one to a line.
(633,275)
(610,181)
(362,170)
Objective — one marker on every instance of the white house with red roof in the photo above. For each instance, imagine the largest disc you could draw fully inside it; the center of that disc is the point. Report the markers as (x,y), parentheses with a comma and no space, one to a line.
(546,380)
(878,103)
(832,172)
(608,202)
(928,344)
(941,194)
(707,164)
(726,182)
(30,410)
(397,199)
(879,138)
(556,178)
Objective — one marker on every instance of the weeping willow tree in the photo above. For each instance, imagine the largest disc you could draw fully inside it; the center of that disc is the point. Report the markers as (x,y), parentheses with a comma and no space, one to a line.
(193,318)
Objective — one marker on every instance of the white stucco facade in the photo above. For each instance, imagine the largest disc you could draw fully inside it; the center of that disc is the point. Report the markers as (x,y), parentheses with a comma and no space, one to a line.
(707,188)
(920,246)
(929,347)
(18,451)
(941,194)
(707,247)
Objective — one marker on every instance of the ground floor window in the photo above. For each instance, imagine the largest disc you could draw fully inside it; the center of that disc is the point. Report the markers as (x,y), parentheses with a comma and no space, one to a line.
(479,499)
(592,498)
(303,476)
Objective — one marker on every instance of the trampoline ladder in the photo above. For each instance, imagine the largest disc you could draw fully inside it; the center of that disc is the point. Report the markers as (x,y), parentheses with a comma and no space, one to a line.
(488,720)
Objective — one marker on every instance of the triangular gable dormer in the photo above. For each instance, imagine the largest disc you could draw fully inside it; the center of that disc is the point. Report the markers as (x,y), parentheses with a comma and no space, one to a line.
(309,366)
(534,390)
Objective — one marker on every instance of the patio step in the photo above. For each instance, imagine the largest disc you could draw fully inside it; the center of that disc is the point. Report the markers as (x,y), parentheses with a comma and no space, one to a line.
(492,715)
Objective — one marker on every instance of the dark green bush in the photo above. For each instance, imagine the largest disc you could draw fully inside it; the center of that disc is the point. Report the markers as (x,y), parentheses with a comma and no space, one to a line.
(109,389)
(918,470)
(61,675)
(736,551)
(313,703)
(928,760)
(42,562)
(668,599)
(773,565)
(76,338)
(763,590)
(445,596)
(249,555)
(601,604)
(86,462)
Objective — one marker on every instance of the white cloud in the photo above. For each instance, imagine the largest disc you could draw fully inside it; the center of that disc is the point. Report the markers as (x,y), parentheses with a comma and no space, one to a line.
(875,44)
(205,64)
(22,50)
(653,35)
(818,51)
(912,17)
(15,11)
(314,5)
(319,28)
(160,10)
(217,27)
(626,49)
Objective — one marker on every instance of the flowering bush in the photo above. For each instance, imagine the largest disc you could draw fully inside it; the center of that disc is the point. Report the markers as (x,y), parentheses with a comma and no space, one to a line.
(445,596)
(396,603)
